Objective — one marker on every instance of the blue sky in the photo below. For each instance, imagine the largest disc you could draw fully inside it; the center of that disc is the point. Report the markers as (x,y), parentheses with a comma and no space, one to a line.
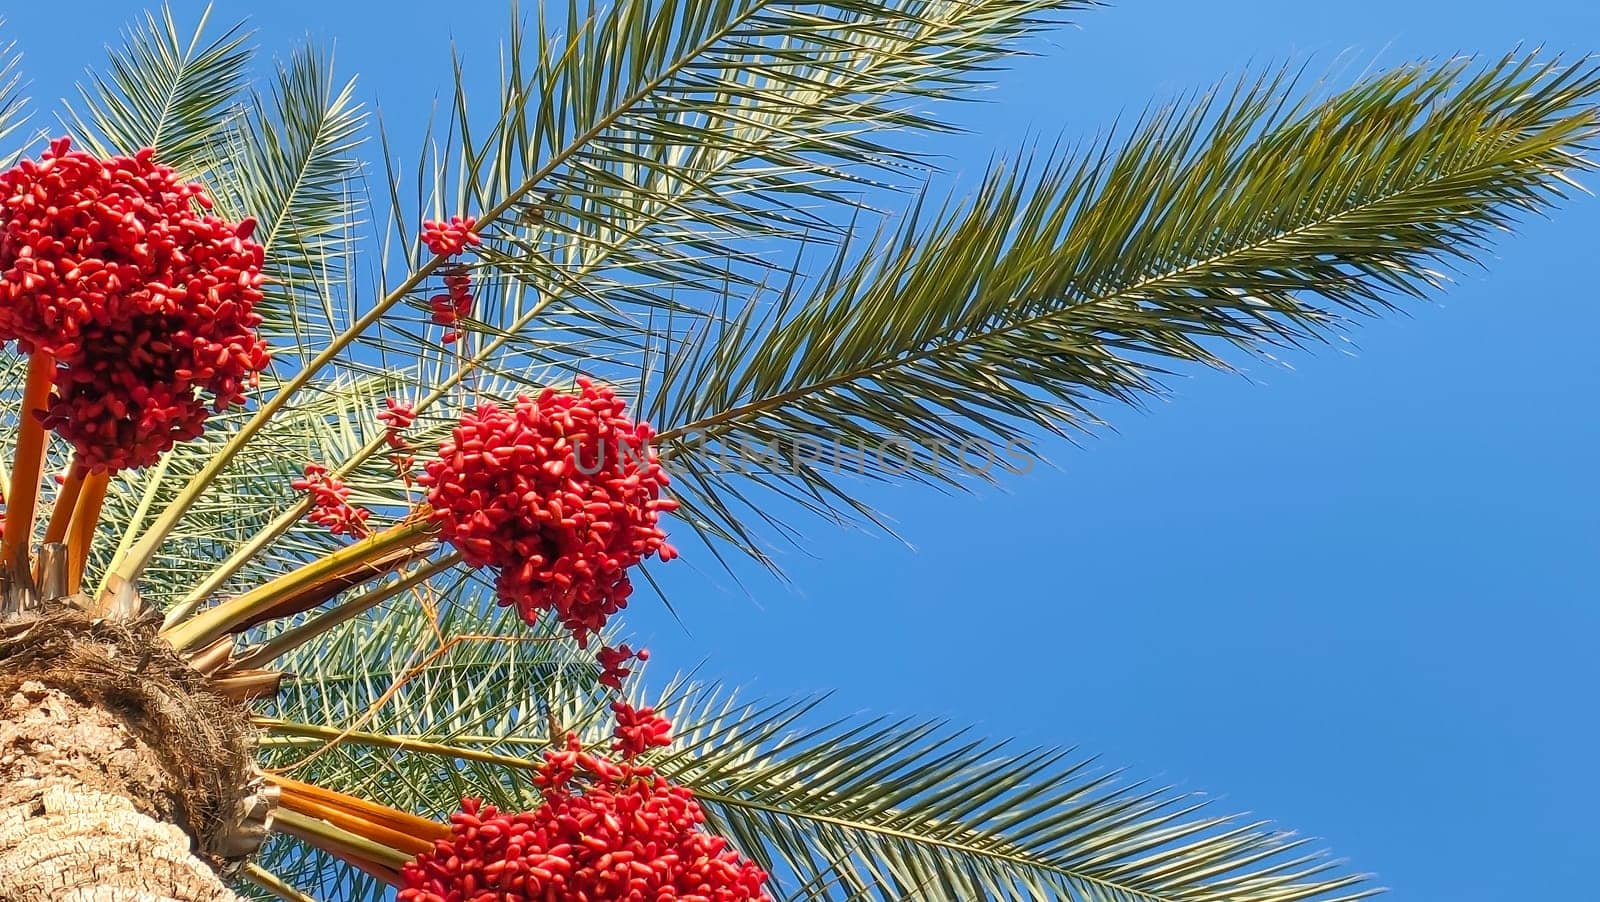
(1357,596)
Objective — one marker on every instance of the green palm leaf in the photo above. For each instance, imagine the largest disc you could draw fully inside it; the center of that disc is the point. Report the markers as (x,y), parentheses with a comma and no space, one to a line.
(165,91)
(910,810)
(291,161)
(13,105)
(571,151)
(881,809)
(251,493)
(1247,220)
(766,128)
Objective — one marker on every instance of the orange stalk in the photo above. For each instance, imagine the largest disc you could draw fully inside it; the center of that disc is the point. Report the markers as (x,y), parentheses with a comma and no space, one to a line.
(393,818)
(22,497)
(85,517)
(375,858)
(66,500)
(361,827)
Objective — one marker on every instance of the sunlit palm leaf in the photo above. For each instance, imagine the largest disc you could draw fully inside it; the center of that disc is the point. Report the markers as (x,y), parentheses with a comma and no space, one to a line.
(13,105)
(910,810)
(836,810)
(1248,220)
(578,125)
(163,90)
(249,494)
(774,122)
(290,161)
(691,161)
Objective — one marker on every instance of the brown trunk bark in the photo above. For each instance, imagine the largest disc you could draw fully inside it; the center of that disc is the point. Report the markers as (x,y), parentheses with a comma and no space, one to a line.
(87,812)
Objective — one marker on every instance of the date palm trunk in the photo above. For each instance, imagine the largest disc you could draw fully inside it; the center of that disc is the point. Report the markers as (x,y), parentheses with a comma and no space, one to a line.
(88,811)
(123,776)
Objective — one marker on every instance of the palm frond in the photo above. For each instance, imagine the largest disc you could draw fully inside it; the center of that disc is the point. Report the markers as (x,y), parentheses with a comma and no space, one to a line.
(895,810)
(499,691)
(291,161)
(1251,219)
(648,173)
(880,810)
(163,90)
(757,124)
(13,104)
(582,119)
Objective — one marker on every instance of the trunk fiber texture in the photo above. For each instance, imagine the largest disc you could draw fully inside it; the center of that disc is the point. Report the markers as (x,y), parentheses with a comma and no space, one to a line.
(122,777)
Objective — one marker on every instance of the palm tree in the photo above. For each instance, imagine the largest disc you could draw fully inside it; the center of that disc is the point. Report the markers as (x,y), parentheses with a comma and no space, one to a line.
(681,198)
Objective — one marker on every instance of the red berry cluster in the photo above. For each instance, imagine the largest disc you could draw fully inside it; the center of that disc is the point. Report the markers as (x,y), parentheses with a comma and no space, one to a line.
(639,729)
(330,500)
(450,237)
(608,831)
(145,301)
(561,494)
(456,303)
(397,417)
(614,664)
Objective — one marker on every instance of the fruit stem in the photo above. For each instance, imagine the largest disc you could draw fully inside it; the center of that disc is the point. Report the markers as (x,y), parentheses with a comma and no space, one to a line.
(296,636)
(85,518)
(22,496)
(367,553)
(66,498)
(409,828)
(342,844)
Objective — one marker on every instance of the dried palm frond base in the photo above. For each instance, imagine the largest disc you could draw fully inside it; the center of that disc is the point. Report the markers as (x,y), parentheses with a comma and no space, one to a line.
(94,706)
